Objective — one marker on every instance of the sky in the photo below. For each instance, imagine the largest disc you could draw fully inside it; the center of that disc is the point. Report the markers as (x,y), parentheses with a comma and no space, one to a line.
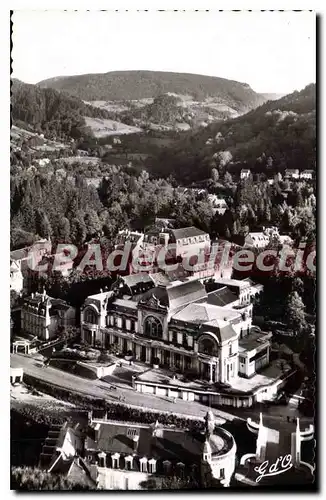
(271,51)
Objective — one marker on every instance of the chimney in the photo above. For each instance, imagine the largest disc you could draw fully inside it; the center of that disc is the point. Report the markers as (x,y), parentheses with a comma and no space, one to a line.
(135,441)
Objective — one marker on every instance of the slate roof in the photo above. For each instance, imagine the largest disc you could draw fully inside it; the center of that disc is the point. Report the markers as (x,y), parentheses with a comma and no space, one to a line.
(160,279)
(187,232)
(21,253)
(224,330)
(164,443)
(129,304)
(115,438)
(221,297)
(202,313)
(177,296)
(134,279)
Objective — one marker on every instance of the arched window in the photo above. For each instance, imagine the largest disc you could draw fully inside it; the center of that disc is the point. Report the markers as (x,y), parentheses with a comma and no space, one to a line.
(153,327)
(207,345)
(90,316)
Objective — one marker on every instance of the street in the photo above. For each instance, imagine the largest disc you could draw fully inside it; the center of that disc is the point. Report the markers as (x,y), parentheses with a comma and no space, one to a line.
(274,417)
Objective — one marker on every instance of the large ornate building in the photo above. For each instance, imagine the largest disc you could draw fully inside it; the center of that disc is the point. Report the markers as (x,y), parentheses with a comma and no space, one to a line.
(178,324)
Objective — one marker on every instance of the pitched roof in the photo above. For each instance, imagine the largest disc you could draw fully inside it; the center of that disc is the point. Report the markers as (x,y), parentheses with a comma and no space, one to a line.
(118,438)
(160,442)
(202,313)
(134,279)
(221,297)
(21,253)
(177,296)
(187,232)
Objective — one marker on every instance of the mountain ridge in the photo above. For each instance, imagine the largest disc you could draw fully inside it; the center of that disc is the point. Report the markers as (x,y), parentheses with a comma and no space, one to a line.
(140,84)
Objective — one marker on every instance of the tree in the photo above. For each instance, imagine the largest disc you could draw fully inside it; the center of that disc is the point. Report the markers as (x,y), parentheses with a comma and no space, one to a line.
(63,230)
(215,175)
(78,230)
(227,179)
(298,286)
(224,157)
(29,478)
(296,313)
(43,226)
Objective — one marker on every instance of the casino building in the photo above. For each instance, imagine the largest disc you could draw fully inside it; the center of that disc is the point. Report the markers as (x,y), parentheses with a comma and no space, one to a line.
(179,325)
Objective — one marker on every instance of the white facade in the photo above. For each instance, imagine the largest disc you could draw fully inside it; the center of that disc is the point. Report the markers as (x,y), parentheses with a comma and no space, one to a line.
(16,277)
(256,240)
(245,173)
(292,173)
(306,174)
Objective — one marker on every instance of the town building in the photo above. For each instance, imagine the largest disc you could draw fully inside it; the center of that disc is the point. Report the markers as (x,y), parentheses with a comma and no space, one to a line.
(219,204)
(245,173)
(292,173)
(23,260)
(164,222)
(122,455)
(307,174)
(257,239)
(46,317)
(16,277)
(186,241)
(179,326)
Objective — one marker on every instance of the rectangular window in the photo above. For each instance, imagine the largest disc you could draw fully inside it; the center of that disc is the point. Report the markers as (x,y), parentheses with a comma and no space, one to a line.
(259,354)
(222,474)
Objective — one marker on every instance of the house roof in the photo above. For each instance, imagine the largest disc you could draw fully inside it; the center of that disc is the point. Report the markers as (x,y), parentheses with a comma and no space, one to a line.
(177,296)
(134,279)
(187,232)
(129,304)
(221,297)
(203,313)
(115,438)
(254,340)
(21,253)
(232,283)
(222,329)
(159,442)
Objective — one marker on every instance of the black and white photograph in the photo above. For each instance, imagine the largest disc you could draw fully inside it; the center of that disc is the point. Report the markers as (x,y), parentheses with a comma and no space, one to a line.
(163,199)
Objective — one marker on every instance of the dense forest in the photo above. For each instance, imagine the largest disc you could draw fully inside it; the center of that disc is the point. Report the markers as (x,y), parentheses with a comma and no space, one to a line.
(278,135)
(53,113)
(67,209)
